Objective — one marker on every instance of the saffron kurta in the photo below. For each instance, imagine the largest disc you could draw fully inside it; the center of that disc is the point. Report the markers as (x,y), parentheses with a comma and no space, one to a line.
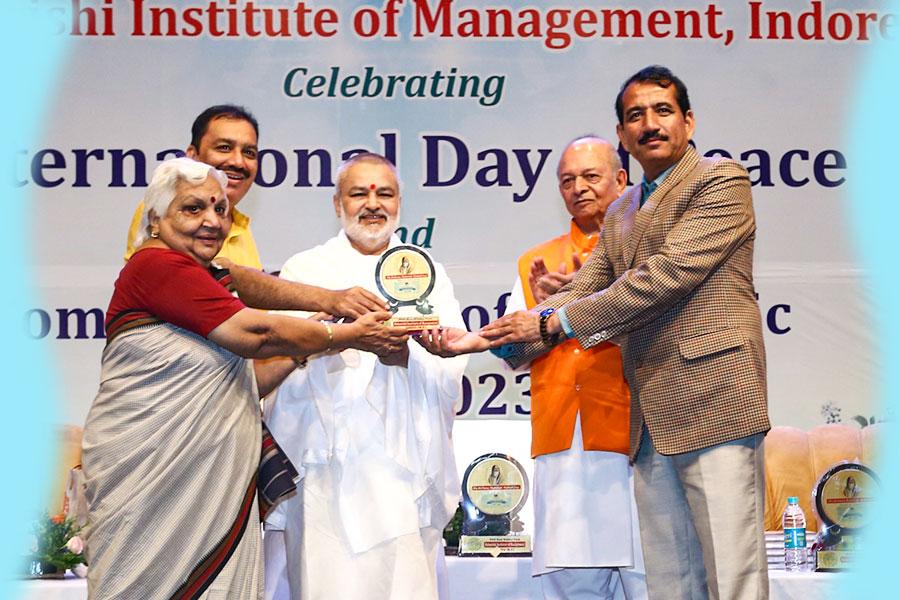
(571,380)
(584,506)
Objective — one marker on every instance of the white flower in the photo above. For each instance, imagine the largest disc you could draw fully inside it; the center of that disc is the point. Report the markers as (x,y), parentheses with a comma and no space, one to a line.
(80,570)
(75,545)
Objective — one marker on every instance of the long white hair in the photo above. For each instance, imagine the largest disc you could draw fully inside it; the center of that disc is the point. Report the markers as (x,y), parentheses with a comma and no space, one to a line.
(161,191)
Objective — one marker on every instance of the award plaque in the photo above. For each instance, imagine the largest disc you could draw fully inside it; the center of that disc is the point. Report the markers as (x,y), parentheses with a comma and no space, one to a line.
(405,276)
(841,497)
(494,489)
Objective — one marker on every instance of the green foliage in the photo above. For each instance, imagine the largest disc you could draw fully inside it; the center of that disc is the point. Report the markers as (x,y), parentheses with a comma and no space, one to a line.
(864,421)
(453,529)
(51,537)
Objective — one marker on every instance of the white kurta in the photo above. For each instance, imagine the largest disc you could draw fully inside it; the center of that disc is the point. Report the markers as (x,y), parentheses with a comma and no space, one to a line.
(373,446)
(583,504)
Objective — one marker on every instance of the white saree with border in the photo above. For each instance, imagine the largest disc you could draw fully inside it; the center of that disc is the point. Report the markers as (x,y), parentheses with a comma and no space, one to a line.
(171,450)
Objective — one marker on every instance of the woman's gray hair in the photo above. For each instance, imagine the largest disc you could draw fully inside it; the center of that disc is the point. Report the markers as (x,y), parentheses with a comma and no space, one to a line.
(161,191)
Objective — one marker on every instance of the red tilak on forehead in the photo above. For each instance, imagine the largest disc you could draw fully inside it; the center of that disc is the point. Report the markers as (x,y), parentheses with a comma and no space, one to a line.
(372,186)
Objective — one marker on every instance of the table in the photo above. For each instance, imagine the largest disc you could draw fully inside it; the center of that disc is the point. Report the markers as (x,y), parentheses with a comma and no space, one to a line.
(510,579)
(495,579)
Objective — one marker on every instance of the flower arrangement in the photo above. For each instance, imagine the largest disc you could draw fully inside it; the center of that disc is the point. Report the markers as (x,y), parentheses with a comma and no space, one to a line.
(57,545)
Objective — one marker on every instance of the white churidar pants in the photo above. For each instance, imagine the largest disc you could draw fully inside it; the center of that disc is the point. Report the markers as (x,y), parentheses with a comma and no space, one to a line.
(586,542)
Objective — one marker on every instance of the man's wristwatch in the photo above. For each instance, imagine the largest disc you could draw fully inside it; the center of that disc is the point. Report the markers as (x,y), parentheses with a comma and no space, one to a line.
(549,340)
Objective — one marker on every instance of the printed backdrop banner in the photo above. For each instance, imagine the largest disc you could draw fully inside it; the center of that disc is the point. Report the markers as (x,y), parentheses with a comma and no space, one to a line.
(474,102)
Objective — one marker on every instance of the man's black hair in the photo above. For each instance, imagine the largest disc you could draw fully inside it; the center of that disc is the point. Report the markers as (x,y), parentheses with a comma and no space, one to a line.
(227,111)
(662,77)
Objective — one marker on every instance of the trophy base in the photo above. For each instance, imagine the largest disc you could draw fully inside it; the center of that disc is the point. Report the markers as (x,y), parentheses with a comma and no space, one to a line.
(415,324)
(835,560)
(495,545)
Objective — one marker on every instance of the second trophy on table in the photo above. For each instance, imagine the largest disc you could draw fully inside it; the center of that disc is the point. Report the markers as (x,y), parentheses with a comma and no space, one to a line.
(494,488)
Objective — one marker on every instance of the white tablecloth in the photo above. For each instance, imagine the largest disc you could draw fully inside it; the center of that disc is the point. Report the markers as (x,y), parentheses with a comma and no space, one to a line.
(495,579)
(510,579)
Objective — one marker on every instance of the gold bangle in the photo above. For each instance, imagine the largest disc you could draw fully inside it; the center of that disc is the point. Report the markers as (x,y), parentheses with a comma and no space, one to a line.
(330,332)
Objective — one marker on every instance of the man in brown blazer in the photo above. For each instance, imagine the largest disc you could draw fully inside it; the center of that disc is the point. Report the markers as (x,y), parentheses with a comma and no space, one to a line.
(671,279)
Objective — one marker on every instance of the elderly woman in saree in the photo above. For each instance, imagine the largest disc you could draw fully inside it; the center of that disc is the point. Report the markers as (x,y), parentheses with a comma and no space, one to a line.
(172,442)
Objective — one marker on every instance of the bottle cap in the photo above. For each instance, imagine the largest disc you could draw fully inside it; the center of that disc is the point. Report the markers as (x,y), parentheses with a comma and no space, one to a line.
(792,500)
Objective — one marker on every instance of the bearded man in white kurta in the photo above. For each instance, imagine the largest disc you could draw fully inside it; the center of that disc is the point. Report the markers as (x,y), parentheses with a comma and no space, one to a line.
(370,435)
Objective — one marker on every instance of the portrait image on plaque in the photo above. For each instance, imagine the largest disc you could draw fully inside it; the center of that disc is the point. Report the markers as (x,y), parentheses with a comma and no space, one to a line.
(405,277)
(494,488)
(841,498)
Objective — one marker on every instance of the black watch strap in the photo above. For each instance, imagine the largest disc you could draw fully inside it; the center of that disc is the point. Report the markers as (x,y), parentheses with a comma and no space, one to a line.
(549,340)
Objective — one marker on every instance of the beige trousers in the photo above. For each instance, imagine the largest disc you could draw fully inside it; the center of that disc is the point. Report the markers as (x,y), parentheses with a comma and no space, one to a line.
(701,520)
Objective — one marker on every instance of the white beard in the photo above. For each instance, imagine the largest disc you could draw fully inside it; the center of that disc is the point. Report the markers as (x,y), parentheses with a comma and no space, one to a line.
(365,236)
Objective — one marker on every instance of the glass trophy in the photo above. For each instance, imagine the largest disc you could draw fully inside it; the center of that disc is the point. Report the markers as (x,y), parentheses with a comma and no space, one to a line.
(405,276)
(840,498)
(494,490)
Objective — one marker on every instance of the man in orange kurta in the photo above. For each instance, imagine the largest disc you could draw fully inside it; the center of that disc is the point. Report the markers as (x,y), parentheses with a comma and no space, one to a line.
(586,541)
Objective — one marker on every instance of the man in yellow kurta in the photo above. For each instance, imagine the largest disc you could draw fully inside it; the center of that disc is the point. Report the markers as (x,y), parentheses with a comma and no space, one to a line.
(224,136)
(586,534)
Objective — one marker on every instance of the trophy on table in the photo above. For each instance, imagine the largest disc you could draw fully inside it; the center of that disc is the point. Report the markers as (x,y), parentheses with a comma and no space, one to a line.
(494,488)
(840,498)
(405,276)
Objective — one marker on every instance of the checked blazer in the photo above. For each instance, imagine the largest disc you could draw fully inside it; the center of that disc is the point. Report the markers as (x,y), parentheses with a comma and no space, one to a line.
(673,282)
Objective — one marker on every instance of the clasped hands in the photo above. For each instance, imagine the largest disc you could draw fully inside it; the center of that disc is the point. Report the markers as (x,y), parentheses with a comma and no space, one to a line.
(519,326)
(369,314)
(544,283)
(389,343)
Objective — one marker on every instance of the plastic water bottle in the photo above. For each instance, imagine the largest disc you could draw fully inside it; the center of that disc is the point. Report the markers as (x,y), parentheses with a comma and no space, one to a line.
(794,523)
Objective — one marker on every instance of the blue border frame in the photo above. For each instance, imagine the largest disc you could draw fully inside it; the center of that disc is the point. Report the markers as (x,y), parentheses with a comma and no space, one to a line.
(32,55)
